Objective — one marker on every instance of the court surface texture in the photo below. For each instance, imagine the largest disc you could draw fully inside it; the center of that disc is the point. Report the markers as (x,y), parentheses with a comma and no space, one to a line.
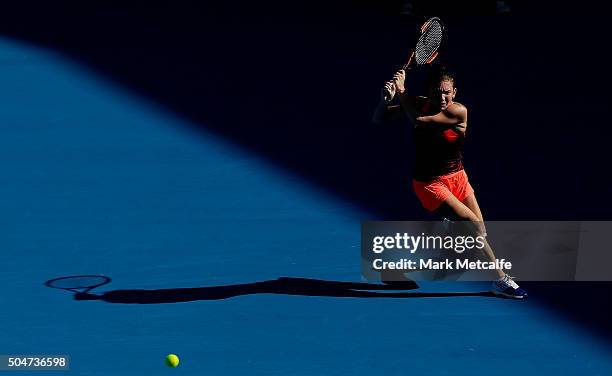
(97,180)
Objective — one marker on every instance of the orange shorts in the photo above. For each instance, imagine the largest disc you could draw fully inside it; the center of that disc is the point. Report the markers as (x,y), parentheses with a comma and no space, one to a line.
(435,192)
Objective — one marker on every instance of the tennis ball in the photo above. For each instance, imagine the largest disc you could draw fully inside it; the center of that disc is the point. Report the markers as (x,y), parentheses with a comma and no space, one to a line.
(172,360)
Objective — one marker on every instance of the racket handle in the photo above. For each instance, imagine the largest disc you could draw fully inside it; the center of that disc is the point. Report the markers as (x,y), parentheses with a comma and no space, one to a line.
(407,65)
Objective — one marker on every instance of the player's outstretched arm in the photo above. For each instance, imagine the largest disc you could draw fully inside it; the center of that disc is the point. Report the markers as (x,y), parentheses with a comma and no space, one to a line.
(454,114)
(409,103)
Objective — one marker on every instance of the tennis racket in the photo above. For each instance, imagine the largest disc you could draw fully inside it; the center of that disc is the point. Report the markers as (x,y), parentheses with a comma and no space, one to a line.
(427,46)
(426,50)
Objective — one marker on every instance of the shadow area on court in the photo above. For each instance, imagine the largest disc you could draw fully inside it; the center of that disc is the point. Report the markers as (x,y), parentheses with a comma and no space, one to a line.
(297,83)
(585,302)
(280,286)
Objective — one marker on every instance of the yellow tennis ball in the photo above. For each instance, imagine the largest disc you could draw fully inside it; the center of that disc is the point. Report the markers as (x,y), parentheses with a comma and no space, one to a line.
(172,360)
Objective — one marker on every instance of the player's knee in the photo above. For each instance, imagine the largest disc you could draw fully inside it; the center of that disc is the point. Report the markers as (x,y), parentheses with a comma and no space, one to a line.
(471,226)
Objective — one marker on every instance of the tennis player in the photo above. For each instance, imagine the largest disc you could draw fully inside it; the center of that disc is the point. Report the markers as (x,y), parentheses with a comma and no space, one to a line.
(439,180)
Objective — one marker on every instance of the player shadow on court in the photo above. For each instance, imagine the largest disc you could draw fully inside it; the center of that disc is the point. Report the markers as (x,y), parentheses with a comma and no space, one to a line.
(282,286)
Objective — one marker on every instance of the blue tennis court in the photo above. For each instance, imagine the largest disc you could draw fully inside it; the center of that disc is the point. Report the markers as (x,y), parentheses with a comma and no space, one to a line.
(98,179)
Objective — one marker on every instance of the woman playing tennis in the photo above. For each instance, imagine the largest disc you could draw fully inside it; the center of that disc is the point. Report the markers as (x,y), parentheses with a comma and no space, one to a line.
(440,181)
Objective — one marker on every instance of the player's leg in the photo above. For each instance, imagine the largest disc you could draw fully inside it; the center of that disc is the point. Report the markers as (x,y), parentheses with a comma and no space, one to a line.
(505,283)
(468,210)
(457,210)
(471,202)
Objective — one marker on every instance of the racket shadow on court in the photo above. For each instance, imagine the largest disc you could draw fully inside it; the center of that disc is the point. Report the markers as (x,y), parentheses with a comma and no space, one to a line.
(82,285)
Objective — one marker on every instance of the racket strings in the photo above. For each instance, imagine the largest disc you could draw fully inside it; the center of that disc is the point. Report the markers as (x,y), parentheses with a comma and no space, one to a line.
(429,42)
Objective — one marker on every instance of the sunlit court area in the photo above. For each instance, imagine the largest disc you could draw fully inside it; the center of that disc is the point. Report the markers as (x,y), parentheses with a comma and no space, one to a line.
(185,188)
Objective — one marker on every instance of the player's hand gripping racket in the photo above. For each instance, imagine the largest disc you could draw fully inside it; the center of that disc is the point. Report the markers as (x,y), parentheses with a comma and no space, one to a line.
(430,40)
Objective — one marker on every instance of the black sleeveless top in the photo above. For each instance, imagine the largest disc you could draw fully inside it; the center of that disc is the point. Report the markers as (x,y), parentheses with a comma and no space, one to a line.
(438,150)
